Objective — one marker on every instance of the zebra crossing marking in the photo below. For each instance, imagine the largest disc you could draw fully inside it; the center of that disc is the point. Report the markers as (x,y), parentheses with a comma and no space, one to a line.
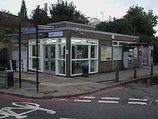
(115,100)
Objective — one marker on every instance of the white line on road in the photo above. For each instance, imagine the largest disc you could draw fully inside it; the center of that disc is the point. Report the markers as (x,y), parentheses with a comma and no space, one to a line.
(110,98)
(137,103)
(82,100)
(156,100)
(137,99)
(103,101)
(89,97)
(67,118)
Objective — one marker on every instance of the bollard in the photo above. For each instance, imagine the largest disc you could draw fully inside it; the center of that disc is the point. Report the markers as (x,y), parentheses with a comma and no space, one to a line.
(117,74)
(148,83)
(135,71)
(151,72)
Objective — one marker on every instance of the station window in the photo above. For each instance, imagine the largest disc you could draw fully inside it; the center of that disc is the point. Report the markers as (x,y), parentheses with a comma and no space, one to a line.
(84,50)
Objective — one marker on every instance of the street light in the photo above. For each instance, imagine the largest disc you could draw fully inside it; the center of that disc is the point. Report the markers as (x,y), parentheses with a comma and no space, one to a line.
(102,16)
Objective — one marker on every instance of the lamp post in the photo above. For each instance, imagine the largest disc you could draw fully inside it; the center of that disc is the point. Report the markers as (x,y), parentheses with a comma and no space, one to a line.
(19,38)
(102,16)
(37,60)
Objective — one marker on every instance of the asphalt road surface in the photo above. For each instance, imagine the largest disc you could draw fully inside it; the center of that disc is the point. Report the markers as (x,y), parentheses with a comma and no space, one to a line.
(132,101)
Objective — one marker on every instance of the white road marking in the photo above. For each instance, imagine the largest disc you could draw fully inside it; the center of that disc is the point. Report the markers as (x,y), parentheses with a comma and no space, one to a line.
(26,107)
(115,100)
(89,97)
(103,101)
(137,99)
(137,103)
(110,98)
(82,100)
(67,118)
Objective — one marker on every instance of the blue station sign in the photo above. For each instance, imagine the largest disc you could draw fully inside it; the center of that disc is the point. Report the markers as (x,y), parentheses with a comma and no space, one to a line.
(28,29)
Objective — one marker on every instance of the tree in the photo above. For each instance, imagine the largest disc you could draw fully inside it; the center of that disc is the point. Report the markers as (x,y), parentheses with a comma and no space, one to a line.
(23,10)
(117,26)
(135,22)
(64,11)
(40,16)
(143,22)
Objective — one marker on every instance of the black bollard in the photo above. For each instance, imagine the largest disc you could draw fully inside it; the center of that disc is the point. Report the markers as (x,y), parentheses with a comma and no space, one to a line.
(135,71)
(148,83)
(151,73)
(117,74)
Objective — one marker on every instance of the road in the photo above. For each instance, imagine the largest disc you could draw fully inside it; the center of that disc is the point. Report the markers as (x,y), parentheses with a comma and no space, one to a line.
(132,101)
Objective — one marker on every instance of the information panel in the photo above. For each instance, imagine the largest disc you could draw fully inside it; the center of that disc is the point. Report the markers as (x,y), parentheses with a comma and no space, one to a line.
(106,53)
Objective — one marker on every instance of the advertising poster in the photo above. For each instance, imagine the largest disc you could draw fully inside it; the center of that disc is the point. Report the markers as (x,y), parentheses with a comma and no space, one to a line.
(106,53)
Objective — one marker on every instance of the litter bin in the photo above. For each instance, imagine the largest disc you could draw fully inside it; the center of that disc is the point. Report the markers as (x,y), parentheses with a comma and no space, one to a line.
(85,69)
(10,77)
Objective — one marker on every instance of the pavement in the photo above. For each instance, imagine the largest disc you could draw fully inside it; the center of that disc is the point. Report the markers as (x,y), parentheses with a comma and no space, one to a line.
(51,86)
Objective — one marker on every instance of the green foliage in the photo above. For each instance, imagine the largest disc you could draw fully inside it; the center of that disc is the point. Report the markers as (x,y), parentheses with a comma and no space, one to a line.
(23,10)
(64,11)
(6,30)
(135,22)
(61,11)
(40,16)
(117,26)
(142,22)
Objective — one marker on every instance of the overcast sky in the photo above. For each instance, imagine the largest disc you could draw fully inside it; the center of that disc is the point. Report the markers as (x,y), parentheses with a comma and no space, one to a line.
(101,9)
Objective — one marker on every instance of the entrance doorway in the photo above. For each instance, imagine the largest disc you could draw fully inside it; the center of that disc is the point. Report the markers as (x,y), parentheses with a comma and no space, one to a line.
(49,59)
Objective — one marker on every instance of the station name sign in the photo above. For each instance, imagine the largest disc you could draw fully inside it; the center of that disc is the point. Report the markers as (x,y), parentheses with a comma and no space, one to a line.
(28,29)
(55,34)
(45,27)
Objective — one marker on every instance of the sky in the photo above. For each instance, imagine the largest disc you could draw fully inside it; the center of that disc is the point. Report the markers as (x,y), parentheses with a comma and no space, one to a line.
(101,9)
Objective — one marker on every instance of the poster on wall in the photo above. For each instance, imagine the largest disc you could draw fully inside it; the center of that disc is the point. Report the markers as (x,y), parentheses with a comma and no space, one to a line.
(117,53)
(106,53)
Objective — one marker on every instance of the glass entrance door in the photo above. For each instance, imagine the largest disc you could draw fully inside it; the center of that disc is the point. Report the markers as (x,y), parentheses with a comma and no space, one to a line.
(49,59)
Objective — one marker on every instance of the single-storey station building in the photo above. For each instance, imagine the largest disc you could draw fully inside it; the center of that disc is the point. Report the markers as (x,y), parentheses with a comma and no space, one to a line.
(68,47)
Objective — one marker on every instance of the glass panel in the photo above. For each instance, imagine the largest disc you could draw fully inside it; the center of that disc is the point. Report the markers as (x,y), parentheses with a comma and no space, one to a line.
(121,43)
(93,51)
(76,41)
(115,43)
(34,51)
(53,51)
(93,66)
(81,41)
(32,41)
(61,67)
(49,41)
(117,53)
(34,63)
(76,67)
(84,49)
(61,50)
(62,40)
(46,52)
(79,51)
(52,65)
(46,65)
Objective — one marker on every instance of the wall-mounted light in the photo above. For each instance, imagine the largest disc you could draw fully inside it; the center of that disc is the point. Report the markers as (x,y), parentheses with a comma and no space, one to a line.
(40,36)
(134,40)
(113,37)
(81,34)
(76,30)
